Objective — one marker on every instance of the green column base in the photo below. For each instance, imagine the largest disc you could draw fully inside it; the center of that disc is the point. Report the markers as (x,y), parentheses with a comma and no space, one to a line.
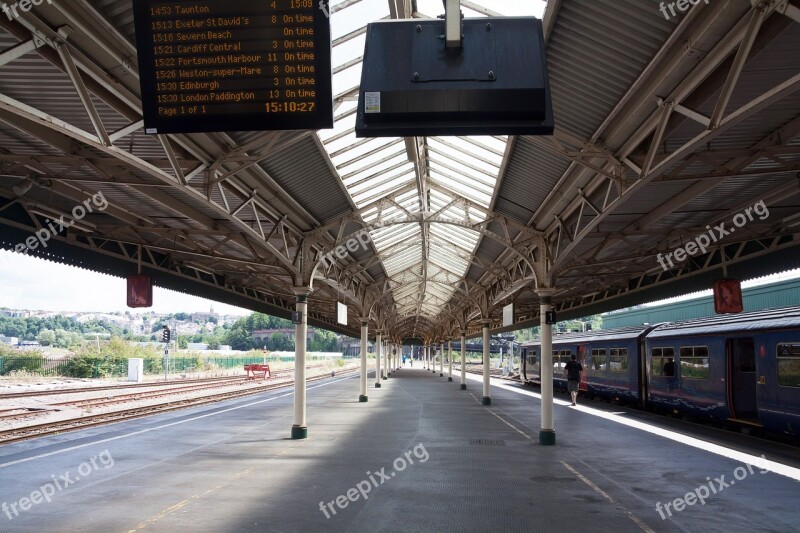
(362,398)
(547,437)
(449,379)
(434,371)
(441,375)
(377,385)
(299,432)
(486,401)
(463,386)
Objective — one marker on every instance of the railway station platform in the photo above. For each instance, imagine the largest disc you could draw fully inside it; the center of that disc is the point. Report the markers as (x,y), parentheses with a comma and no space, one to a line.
(421,455)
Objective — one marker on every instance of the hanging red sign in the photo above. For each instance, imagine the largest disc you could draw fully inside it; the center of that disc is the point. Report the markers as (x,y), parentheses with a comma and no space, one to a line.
(140,291)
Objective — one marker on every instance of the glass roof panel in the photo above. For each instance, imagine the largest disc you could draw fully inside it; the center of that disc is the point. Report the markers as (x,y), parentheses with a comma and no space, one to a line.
(450,167)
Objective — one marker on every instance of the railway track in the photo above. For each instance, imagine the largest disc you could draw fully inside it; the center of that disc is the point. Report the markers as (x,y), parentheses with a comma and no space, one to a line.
(152,384)
(80,390)
(16,413)
(89,421)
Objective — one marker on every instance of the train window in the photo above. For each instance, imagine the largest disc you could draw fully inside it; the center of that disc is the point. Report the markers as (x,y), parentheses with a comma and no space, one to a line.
(618,360)
(532,358)
(694,362)
(599,362)
(662,362)
(789,365)
(560,358)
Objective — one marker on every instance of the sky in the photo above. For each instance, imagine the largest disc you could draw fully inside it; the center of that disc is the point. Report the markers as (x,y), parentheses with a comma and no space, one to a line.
(35,284)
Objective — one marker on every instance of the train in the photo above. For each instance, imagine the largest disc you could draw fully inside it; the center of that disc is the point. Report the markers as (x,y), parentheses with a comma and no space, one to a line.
(742,369)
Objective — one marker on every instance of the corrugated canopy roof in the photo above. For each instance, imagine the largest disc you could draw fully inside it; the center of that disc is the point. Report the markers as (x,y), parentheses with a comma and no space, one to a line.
(665,127)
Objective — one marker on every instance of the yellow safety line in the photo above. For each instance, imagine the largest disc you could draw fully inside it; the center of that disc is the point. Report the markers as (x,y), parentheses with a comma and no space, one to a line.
(600,491)
(171,509)
(509,424)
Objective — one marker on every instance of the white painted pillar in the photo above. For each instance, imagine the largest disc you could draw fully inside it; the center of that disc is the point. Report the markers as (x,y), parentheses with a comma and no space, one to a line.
(364,331)
(441,359)
(378,357)
(547,433)
(463,360)
(486,400)
(387,353)
(299,428)
(449,359)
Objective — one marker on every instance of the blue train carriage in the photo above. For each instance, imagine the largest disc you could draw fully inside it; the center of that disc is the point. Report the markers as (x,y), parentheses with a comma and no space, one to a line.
(611,360)
(741,368)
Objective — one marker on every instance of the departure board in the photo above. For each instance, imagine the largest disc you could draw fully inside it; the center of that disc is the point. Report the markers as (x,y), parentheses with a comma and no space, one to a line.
(234,65)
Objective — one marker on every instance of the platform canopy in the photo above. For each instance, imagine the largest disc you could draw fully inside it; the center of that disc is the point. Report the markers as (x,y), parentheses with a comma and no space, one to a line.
(666,126)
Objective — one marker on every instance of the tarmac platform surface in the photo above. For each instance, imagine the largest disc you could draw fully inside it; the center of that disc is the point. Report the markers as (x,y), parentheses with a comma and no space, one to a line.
(420,455)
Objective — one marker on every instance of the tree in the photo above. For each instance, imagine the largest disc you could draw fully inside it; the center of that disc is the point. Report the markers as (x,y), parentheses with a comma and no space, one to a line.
(47,337)
(213,343)
(239,337)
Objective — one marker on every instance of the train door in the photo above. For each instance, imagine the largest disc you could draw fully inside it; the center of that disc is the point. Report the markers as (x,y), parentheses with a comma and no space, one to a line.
(584,383)
(742,378)
(643,375)
(523,365)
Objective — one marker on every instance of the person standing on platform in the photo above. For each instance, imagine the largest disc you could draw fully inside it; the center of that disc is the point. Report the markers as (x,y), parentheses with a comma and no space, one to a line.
(573,370)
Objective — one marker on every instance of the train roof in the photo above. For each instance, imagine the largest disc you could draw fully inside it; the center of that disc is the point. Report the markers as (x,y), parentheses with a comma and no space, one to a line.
(625,333)
(785,317)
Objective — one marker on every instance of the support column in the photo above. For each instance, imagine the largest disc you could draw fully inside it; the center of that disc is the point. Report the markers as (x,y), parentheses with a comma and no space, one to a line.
(547,433)
(378,357)
(299,428)
(463,360)
(364,331)
(441,360)
(487,400)
(387,354)
(449,359)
